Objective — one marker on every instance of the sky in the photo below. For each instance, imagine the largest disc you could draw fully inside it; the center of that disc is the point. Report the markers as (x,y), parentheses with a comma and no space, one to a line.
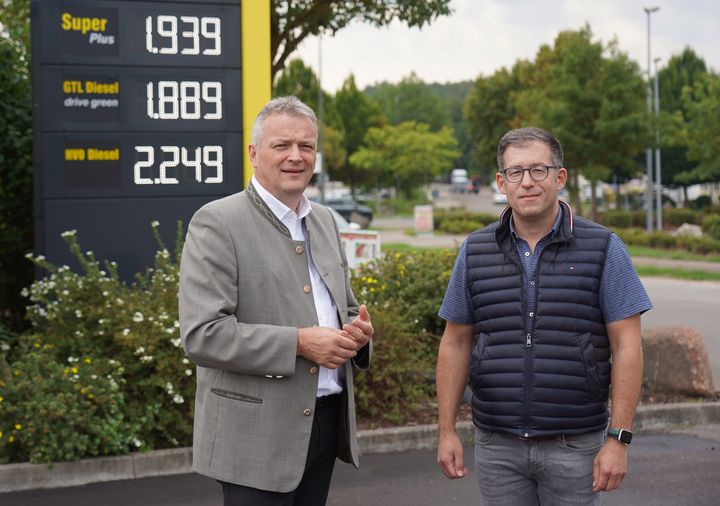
(482,36)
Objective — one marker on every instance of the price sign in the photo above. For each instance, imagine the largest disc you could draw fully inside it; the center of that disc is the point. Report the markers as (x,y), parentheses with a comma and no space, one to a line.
(138,109)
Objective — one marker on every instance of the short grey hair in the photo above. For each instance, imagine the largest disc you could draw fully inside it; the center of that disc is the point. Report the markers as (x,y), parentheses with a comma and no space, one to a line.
(523,137)
(290,105)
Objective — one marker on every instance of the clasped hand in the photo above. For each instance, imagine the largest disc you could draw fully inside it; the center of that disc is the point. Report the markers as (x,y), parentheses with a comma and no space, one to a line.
(333,347)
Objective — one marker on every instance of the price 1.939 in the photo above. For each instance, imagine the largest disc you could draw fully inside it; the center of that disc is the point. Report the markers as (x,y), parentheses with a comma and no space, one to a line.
(192,28)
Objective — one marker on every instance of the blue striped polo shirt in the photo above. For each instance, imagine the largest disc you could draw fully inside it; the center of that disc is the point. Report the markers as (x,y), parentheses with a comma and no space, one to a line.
(622,294)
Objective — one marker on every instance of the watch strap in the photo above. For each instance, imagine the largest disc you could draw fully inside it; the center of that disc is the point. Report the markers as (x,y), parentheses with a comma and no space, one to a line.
(622,435)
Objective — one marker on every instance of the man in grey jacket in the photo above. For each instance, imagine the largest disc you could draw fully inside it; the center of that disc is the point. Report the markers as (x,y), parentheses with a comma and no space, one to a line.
(268,316)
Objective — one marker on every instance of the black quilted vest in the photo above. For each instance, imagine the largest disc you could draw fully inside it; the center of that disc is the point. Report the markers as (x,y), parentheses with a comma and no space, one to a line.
(555,380)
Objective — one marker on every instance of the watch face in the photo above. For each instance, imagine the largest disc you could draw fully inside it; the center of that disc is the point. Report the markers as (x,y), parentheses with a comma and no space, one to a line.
(625,437)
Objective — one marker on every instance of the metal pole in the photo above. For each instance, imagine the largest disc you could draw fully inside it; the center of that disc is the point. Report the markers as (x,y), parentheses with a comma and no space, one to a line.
(321,174)
(648,151)
(658,177)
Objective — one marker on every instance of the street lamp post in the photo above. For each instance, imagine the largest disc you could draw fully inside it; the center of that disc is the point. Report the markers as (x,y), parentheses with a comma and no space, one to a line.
(648,151)
(320,163)
(658,176)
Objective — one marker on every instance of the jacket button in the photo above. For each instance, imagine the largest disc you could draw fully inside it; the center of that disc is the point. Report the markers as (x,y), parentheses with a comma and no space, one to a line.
(307,412)
(313,370)
(306,288)
(299,250)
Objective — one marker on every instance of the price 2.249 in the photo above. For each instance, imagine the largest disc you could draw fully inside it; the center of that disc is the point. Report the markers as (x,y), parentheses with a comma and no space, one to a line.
(204,162)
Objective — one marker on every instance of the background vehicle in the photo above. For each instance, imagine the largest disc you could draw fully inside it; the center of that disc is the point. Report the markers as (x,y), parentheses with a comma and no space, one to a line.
(350,210)
(459,180)
(497,197)
(341,222)
(474,185)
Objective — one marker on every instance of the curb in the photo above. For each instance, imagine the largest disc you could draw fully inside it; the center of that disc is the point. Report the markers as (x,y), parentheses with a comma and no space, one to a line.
(17,477)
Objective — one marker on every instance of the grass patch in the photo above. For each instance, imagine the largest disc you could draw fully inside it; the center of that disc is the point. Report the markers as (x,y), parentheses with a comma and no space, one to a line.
(669,272)
(404,248)
(642,270)
(644,251)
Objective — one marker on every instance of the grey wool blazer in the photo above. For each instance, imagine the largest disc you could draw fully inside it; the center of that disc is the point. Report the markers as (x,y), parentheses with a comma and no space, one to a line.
(244,292)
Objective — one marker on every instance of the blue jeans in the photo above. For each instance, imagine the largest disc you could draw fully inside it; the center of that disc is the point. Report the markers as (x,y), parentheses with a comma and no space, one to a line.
(512,471)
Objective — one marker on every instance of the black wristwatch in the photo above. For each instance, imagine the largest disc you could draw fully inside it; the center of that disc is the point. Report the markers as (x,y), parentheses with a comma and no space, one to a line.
(622,435)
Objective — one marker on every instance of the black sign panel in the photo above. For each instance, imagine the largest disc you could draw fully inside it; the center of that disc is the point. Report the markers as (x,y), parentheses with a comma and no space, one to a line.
(137,114)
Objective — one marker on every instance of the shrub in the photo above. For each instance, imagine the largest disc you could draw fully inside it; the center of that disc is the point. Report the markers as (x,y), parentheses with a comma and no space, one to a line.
(397,382)
(711,226)
(403,292)
(702,202)
(94,313)
(55,411)
(662,240)
(411,284)
(680,215)
(633,236)
(459,221)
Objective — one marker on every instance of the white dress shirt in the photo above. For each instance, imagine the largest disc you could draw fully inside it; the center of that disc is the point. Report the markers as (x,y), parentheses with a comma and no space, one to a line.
(328,379)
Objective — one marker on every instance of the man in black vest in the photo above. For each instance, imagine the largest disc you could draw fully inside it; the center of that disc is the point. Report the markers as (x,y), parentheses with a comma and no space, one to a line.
(537,305)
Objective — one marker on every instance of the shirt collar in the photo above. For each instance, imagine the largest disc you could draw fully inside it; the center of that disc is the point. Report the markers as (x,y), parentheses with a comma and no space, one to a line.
(279,209)
(552,232)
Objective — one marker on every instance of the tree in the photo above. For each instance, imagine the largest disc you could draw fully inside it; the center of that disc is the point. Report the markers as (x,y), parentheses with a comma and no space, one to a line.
(453,96)
(357,114)
(490,110)
(592,97)
(682,71)
(410,100)
(291,21)
(702,130)
(16,184)
(300,80)
(406,154)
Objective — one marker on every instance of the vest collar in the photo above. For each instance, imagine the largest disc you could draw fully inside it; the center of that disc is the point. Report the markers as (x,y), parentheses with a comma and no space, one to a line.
(564,232)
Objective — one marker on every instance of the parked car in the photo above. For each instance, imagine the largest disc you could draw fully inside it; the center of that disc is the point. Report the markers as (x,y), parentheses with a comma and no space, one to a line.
(474,185)
(497,197)
(341,222)
(350,210)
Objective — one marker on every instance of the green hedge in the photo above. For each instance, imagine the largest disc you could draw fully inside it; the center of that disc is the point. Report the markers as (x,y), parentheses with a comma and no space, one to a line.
(459,221)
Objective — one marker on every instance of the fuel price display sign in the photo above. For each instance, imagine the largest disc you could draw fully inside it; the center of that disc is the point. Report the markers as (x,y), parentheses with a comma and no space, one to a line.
(137,117)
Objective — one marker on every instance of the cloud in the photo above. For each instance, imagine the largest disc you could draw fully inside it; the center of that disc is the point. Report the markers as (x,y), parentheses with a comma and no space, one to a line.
(482,36)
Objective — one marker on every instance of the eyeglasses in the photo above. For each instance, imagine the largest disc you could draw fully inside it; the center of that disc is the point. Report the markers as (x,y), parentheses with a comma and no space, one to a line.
(537,172)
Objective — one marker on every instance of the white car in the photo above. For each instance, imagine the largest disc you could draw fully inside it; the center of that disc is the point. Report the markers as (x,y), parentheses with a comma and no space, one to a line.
(497,197)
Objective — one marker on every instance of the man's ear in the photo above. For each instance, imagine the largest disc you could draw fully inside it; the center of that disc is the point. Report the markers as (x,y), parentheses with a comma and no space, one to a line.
(252,153)
(500,182)
(562,177)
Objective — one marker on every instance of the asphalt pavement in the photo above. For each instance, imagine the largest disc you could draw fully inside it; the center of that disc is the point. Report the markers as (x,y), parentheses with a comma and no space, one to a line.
(665,469)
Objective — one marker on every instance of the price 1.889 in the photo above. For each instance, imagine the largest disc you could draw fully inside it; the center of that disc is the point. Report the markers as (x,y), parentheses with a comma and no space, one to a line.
(206,162)
(183,100)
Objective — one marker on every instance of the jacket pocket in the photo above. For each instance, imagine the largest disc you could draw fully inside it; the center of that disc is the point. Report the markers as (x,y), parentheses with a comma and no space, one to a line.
(587,351)
(476,361)
(236,396)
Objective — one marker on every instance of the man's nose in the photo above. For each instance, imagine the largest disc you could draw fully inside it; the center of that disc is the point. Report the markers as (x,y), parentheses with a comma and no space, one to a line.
(294,152)
(527,179)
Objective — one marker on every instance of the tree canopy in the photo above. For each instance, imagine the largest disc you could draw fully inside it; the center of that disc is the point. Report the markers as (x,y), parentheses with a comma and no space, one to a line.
(291,21)
(406,154)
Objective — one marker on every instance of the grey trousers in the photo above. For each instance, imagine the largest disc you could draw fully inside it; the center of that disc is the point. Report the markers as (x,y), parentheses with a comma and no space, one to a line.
(513,471)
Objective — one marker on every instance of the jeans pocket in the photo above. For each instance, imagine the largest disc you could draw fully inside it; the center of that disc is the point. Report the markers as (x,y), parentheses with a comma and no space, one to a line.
(591,441)
(484,437)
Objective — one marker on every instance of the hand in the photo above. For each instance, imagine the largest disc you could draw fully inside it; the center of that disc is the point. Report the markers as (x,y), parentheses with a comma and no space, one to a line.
(361,329)
(450,456)
(328,347)
(610,466)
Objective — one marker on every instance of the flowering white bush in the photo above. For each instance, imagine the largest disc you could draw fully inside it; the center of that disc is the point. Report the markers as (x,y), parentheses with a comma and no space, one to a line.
(92,313)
